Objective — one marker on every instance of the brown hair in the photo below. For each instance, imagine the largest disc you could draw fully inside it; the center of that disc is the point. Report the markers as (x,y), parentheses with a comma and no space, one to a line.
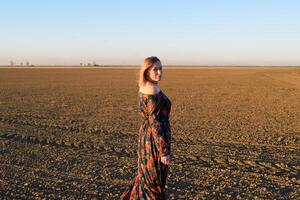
(147,64)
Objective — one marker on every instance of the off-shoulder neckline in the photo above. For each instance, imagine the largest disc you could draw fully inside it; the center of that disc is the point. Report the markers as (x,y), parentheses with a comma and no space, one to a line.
(150,94)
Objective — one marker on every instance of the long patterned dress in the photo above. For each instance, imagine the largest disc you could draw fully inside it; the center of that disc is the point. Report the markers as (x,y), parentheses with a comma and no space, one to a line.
(154,142)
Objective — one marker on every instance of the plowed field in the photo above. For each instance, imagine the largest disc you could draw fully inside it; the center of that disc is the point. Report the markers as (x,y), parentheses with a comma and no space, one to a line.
(73,133)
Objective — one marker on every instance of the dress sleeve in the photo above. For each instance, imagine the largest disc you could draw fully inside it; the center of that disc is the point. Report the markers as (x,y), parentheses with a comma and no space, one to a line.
(160,137)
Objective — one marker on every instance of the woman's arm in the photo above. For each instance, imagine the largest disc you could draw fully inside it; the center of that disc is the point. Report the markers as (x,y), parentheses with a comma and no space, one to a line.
(160,138)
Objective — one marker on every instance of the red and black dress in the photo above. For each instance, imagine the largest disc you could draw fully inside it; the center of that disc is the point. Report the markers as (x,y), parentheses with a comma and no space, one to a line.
(154,143)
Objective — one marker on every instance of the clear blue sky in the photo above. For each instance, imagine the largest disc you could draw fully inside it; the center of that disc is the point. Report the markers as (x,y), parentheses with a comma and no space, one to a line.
(211,32)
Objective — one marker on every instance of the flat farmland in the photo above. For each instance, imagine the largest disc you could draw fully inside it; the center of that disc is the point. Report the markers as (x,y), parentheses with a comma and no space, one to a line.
(72,133)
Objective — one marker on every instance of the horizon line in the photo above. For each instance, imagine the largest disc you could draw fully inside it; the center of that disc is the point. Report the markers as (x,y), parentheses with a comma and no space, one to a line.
(135,66)
(101,65)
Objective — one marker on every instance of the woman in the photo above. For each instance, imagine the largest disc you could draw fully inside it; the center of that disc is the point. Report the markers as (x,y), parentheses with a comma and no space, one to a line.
(154,152)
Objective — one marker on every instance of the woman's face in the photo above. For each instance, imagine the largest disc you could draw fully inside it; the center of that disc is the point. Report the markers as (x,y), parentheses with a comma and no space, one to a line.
(155,72)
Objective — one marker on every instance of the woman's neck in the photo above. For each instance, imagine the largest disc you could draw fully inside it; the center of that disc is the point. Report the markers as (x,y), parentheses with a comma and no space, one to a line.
(155,83)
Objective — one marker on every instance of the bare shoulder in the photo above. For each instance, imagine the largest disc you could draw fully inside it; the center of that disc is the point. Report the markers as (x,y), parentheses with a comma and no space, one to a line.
(149,89)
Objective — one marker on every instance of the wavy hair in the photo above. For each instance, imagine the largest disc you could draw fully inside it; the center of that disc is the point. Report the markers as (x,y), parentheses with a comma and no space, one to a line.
(143,73)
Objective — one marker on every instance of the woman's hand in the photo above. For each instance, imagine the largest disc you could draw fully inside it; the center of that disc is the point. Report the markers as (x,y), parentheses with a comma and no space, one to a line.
(166,159)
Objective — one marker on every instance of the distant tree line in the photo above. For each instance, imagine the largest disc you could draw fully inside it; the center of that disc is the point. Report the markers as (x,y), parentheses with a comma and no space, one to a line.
(89,64)
(27,63)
